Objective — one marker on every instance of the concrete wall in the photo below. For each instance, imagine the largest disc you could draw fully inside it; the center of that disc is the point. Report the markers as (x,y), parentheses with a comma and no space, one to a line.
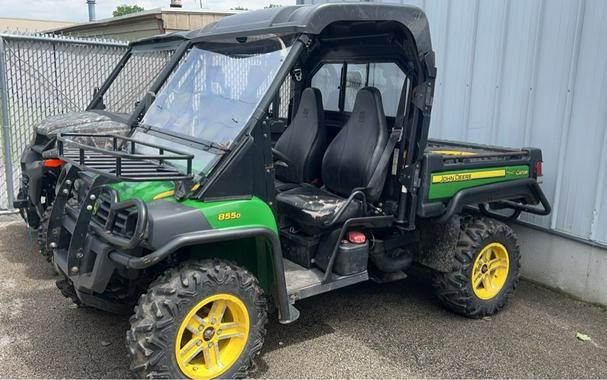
(574,267)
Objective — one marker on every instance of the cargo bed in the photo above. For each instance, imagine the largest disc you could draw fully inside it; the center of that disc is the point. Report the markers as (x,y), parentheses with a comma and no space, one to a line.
(456,174)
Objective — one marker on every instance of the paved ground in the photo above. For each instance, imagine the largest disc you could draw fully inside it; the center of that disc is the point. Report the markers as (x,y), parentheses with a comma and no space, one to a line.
(395,330)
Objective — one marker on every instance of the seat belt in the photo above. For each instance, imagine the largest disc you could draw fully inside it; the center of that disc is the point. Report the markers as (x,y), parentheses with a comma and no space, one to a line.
(394,138)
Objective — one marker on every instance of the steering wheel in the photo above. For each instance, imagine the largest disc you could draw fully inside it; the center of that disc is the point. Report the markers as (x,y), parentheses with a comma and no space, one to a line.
(281,156)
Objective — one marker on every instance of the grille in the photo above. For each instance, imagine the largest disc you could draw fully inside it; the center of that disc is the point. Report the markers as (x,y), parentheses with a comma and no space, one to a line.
(102,209)
(124,220)
(124,223)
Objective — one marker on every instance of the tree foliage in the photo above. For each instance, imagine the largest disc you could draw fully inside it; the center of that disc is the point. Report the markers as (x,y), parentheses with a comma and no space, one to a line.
(273,6)
(125,9)
(239,8)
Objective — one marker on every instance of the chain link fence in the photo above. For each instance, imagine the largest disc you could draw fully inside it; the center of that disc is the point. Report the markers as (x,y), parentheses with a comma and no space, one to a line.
(41,76)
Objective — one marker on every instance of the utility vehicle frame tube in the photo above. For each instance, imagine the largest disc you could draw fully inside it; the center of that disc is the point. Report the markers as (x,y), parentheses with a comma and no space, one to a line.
(515,189)
(94,104)
(287,314)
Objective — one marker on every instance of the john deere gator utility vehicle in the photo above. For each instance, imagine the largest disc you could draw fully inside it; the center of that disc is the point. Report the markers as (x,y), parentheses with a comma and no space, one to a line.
(285,155)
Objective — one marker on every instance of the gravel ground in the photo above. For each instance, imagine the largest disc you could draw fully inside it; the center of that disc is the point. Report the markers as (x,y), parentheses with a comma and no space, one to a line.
(393,330)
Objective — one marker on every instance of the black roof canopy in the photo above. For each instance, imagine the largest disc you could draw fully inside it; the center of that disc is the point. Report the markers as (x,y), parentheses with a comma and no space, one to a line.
(315,18)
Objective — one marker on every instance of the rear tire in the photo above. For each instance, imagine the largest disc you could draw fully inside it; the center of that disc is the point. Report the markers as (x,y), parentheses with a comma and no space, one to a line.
(174,333)
(486,269)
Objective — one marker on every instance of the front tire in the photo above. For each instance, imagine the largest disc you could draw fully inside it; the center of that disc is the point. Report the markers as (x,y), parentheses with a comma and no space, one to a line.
(485,272)
(202,319)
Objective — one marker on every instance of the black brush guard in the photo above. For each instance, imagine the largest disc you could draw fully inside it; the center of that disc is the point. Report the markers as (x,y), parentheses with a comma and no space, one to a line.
(121,161)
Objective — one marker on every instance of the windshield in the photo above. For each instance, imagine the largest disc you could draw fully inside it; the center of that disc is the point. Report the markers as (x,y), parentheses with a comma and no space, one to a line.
(216,89)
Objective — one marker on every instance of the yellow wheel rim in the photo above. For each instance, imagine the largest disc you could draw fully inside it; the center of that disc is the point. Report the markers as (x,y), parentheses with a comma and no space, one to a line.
(490,271)
(212,336)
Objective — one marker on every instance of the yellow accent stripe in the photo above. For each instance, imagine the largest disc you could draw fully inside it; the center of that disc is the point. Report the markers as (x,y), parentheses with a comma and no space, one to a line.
(459,177)
(453,152)
(164,194)
(170,193)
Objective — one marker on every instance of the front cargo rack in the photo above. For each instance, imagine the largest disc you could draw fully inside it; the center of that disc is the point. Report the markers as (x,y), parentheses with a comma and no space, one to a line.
(122,160)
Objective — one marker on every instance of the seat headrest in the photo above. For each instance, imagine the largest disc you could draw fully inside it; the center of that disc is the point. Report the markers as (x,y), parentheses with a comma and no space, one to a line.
(368,98)
(310,102)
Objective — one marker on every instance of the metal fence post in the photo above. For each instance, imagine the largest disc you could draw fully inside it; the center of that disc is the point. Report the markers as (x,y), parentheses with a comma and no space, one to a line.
(6,130)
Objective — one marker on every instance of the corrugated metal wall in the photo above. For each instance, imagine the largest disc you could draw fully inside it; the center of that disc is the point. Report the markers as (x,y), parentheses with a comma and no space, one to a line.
(529,73)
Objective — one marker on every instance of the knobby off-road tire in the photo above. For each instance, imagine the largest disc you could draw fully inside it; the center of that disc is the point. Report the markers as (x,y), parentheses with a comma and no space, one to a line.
(484,243)
(165,314)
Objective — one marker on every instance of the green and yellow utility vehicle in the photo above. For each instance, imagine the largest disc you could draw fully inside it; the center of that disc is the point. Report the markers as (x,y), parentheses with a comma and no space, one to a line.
(284,155)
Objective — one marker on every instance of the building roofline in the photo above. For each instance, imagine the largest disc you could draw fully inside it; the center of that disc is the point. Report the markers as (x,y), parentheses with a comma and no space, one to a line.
(150,13)
(37,20)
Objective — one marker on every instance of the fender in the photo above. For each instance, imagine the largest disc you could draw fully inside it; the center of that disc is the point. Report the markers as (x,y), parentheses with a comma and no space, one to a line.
(287,313)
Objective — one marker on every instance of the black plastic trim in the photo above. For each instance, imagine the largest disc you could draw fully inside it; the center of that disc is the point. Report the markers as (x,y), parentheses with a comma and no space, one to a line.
(106,232)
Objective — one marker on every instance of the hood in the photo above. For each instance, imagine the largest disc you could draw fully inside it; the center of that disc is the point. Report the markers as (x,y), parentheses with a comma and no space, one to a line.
(146,191)
(81,122)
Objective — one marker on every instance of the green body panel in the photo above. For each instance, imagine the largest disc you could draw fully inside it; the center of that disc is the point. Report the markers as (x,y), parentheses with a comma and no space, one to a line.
(255,254)
(236,213)
(146,191)
(456,180)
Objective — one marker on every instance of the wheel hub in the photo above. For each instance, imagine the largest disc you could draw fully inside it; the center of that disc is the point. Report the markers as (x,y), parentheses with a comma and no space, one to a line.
(490,271)
(208,334)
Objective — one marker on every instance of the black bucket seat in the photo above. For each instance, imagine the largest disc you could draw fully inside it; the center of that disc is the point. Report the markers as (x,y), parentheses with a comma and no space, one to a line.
(303,142)
(349,164)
